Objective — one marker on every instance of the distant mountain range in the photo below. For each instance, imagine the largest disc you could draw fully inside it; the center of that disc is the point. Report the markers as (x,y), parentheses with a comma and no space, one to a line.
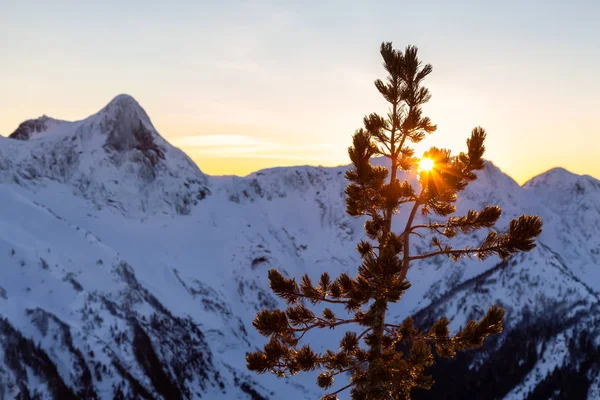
(128,273)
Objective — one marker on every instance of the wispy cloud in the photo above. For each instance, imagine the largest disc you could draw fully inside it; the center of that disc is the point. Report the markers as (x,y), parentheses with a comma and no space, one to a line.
(216,140)
(225,146)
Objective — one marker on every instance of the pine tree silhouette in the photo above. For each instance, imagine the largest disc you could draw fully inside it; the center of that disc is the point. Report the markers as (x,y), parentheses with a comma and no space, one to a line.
(387,361)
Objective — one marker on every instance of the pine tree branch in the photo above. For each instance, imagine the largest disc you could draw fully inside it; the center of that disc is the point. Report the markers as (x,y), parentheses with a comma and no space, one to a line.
(389,330)
(364,333)
(412,215)
(387,147)
(393,326)
(406,235)
(340,390)
(486,217)
(349,368)
(456,252)
(322,324)
(323,299)
(425,338)
(438,231)
(428,226)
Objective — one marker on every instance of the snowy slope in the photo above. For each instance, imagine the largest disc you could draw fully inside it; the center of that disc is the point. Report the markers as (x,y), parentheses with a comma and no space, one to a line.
(127,271)
(573,203)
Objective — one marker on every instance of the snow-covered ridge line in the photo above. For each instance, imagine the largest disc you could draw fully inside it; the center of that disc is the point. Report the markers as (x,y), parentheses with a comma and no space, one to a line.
(46,127)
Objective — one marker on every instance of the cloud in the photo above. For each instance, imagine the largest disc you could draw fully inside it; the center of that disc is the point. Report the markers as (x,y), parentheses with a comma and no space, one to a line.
(234,145)
(216,140)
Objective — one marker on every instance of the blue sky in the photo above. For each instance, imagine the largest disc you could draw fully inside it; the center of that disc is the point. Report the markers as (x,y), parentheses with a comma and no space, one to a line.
(246,85)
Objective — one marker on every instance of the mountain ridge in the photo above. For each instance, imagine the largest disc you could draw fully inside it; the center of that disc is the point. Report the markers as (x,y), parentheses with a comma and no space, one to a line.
(126,98)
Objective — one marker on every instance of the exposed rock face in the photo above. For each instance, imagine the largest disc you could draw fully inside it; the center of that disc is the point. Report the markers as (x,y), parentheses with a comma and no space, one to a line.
(128,128)
(30,127)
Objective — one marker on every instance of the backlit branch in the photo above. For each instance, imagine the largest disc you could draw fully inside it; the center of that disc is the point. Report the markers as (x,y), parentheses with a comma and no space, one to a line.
(455,252)
(520,237)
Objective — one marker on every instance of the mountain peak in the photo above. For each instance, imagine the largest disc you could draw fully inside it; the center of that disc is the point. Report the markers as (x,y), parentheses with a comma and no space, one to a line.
(122,110)
(115,153)
(554,177)
(123,98)
(28,129)
(122,101)
(125,106)
(128,127)
(566,192)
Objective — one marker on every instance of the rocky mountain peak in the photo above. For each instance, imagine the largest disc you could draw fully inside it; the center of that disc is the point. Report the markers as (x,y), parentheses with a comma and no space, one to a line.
(28,129)
(128,127)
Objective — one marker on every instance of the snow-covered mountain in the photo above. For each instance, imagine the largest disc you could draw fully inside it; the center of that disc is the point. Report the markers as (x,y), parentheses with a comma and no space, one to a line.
(114,158)
(128,273)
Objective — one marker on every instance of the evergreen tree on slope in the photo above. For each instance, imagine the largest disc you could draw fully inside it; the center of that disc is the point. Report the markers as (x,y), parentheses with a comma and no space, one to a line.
(386,361)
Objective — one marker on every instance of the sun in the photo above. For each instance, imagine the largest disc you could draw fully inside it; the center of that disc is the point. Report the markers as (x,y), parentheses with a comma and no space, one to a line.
(426,164)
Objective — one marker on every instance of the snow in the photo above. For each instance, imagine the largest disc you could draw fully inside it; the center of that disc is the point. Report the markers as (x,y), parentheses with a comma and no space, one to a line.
(89,197)
(551,358)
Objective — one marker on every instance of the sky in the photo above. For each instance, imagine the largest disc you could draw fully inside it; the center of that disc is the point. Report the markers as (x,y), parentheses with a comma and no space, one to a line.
(245,85)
